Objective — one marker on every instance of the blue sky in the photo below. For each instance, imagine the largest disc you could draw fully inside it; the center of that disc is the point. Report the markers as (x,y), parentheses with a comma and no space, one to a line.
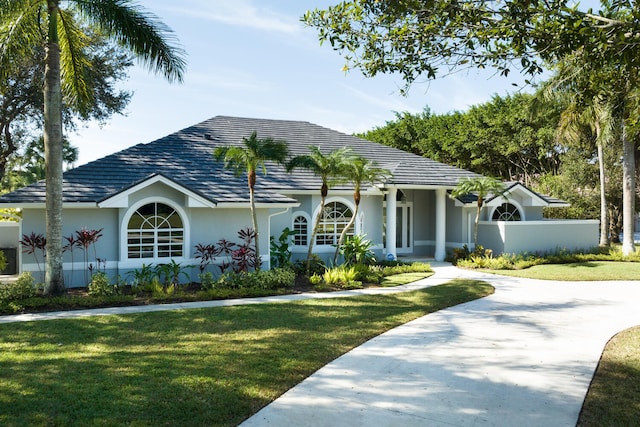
(254,58)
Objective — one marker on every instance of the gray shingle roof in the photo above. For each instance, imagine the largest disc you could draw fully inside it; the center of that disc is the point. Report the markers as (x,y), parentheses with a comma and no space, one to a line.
(185,157)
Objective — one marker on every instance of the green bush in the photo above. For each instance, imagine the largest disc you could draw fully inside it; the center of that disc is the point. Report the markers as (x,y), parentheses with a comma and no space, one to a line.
(317,266)
(276,278)
(100,285)
(357,250)
(206,280)
(559,256)
(343,277)
(24,287)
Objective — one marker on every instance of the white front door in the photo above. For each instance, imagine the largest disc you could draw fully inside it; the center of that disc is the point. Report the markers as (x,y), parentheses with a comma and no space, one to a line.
(404,227)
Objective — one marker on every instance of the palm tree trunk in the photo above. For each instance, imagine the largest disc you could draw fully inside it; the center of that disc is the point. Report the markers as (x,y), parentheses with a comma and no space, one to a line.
(314,233)
(477,222)
(628,193)
(54,279)
(344,233)
(254,217)
(604,235)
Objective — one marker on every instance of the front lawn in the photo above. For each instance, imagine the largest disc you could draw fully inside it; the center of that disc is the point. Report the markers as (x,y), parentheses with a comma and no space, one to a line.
(579,271)
(614,395)
(209,367)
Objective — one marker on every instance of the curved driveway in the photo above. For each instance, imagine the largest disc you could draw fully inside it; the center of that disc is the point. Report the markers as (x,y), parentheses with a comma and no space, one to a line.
(523,356)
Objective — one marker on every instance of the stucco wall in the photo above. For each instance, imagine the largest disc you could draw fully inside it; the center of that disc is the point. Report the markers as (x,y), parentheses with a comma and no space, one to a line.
(538,236)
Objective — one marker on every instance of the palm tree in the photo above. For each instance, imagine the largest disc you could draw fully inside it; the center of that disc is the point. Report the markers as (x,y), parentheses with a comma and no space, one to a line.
(600,119)
(590,114)
(25,23)
(482,187)
(249,158)
(359,170)
(329,168)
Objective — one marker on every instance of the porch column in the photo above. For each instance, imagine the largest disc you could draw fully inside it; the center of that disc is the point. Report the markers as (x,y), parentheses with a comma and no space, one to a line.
(391,222)
(441,224)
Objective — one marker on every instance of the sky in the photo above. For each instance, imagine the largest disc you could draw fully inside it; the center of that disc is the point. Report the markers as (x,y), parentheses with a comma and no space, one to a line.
(254,58)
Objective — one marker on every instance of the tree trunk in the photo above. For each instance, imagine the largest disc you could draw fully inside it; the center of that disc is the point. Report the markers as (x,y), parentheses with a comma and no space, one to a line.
(254,217)
(628,193)
(344,232)
(477,222)
(54,278)
(604,235)
(316,225)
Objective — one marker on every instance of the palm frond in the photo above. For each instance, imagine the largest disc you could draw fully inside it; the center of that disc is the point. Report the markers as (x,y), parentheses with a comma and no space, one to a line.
(19,31)
(74,62)
(149,39)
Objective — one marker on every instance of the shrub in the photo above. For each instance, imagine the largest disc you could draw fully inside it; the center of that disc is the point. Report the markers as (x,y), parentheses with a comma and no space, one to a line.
(24,287)
(206,280)
(100,285)
(316,266)
(343,277)
(315,279)
(272,279)
(357,250)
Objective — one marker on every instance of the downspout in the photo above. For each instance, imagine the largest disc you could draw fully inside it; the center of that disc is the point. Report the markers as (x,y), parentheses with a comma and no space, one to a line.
(269,233)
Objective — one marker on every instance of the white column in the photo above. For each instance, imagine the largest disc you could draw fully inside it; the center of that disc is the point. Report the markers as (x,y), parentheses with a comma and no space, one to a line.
(441,224)
(391,222)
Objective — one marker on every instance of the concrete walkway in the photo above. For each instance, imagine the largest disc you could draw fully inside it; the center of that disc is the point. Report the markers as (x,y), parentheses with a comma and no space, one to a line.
(524,356)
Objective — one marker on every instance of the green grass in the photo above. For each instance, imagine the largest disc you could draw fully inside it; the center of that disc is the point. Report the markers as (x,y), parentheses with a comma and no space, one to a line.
(209,367)
(580,271)
(614,395)
(403,279)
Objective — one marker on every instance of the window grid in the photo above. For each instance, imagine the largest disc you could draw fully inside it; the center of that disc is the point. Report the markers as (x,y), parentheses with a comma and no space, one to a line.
(155,230)
(336,217)
(506,212)
(300,226)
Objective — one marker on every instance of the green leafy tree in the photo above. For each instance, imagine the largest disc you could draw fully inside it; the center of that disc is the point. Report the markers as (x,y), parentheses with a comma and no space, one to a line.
(29,167)
(22,99)
(327,166)
(481,187)
(498,138)
(59,31)
(358,171)
(428,39)
(248,158)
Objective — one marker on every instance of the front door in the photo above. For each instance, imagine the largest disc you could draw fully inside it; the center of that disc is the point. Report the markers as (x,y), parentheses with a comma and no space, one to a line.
(404,227)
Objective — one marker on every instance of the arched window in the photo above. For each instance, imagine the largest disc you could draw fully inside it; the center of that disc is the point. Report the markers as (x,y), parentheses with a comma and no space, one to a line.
(301,227)
(506,212)
(155,230)
(336,217)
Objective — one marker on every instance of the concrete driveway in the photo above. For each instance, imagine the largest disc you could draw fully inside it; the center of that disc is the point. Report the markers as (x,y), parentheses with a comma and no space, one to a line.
(522,357)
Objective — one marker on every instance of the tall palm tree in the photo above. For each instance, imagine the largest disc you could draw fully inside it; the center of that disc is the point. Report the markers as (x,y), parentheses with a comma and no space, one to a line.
(590,114)
(600,119)
(25,23)
(359,170)
(329,168)
(249,158)
(482,187)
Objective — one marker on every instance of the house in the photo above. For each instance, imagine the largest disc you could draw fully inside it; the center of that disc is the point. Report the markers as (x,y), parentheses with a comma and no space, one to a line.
(154,202)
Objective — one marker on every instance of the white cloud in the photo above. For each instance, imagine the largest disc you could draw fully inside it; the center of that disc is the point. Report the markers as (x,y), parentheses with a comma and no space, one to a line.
(239,13)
